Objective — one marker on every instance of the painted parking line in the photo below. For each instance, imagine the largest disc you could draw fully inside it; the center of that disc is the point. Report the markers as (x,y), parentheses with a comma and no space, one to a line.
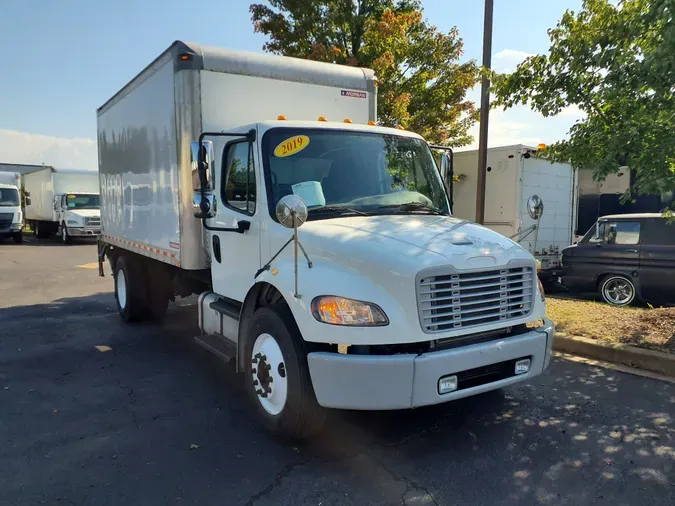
(91,265)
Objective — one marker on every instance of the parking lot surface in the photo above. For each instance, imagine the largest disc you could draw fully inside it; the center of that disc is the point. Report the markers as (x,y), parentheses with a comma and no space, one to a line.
(157,420)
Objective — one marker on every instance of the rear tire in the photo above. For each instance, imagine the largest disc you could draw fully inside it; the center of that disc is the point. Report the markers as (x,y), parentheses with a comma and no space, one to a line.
(273,347)
(618,290)
(41,230)
(128,290)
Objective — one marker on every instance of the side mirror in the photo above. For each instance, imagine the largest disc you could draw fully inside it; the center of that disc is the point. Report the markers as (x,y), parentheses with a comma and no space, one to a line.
(203,207)
(446,167)
(27,194)
(535,207)
(291,211)
(28,201)
(202,165)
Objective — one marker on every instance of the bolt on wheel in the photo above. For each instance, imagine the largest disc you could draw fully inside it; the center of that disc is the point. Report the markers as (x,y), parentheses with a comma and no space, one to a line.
(269,374)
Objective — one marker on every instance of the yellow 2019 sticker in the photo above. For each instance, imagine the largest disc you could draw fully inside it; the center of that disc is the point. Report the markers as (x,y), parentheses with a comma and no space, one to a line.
(291,146)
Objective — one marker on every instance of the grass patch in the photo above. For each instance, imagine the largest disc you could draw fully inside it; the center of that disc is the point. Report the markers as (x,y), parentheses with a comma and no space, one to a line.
(641,327)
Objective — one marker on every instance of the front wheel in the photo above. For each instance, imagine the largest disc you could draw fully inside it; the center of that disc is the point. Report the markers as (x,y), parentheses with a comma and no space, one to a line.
(617,290)
(277,375)
(18,238)
(65,236)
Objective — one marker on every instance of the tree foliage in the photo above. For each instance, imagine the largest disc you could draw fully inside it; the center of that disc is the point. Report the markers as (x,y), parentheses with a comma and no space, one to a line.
(422,85)
(616,63)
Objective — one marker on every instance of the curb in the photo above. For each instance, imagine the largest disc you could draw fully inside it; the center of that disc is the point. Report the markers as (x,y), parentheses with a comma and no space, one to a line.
(649,360)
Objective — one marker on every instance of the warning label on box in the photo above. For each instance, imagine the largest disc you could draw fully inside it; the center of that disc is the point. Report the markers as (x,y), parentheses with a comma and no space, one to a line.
(354,94)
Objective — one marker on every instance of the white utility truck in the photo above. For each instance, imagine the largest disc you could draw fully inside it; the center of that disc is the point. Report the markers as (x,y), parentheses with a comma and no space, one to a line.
(11,219)
(65,201)
(328,264)
(527,198)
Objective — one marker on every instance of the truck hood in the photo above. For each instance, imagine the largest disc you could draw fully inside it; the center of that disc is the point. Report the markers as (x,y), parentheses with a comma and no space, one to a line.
(406,244)
(85,213)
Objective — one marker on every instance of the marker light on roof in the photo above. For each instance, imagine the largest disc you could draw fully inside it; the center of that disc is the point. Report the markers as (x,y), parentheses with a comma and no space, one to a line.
(281,117)
(372,123)
(322,118)
(347,120)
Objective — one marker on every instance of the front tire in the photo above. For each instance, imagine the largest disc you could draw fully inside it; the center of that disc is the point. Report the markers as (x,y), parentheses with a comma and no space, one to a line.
(128,283)
(65,237)
(277,375)
(18,238)
(618,290)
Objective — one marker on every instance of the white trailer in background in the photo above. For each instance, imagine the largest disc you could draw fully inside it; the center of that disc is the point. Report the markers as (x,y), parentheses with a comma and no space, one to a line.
(11,219)
(65,201)
(514,174)
(382,300)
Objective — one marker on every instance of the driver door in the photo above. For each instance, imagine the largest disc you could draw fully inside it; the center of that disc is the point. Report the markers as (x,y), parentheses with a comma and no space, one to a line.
(235,257)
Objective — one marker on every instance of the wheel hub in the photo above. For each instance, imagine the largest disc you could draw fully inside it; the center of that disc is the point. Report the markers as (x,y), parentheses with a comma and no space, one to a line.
(268,374)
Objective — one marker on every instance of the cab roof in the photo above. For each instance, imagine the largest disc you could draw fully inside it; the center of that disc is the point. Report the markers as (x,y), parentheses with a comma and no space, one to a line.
(335,125)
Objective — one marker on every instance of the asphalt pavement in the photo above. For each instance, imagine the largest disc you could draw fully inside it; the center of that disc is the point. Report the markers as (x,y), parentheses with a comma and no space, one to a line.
(157,420)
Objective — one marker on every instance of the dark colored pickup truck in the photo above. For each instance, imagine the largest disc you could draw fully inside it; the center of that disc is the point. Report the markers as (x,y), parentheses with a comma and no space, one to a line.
(624,257)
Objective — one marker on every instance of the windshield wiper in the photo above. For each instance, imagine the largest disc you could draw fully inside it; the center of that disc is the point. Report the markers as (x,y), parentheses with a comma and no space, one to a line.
(337,209)
(414,206)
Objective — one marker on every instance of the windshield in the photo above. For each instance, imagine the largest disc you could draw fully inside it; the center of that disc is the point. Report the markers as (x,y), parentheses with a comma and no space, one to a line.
(9,197)
(74,201)
(340,172)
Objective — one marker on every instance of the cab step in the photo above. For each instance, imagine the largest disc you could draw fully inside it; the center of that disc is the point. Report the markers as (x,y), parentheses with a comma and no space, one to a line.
(218,345)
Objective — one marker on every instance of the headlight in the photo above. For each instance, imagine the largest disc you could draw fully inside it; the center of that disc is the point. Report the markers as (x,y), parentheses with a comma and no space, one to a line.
(340,311)
(541,290)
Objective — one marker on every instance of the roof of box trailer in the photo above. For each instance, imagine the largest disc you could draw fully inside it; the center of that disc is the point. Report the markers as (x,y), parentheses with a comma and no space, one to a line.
(283,68)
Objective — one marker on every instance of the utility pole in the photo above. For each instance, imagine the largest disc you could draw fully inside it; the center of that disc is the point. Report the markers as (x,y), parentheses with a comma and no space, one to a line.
(484,113)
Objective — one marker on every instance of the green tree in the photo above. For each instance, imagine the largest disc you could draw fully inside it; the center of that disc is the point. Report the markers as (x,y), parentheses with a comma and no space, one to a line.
(616,63)
(422,84)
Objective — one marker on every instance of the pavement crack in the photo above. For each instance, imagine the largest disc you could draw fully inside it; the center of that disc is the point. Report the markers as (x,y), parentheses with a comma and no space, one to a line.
(130,406)
(410,484)
(280,476)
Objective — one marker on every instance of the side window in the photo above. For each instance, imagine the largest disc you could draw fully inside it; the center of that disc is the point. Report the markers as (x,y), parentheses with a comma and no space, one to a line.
(622,233)
(659,232)
(238,189)
(591,236)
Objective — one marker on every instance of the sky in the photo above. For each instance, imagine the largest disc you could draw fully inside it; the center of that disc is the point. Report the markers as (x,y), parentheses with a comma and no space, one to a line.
(64,58)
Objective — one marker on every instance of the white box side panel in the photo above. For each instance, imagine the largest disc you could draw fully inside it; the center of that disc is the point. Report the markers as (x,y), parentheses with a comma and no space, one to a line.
(139,169)
(231,101)
(41,188)
(554,184)
(65,182)
(501,188)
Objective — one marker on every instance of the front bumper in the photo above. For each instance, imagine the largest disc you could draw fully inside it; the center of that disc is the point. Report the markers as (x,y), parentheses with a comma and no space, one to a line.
(15,228)
(83,231)
(381,382)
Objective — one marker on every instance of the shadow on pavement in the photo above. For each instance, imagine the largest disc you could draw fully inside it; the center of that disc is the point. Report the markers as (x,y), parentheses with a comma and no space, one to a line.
(157,420)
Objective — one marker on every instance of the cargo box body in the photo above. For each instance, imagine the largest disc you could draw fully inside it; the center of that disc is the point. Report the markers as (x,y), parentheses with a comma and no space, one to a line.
(513,175)
(44,184)
(146,131)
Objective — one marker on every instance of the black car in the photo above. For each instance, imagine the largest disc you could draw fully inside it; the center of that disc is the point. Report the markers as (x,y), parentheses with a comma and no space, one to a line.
(624,257)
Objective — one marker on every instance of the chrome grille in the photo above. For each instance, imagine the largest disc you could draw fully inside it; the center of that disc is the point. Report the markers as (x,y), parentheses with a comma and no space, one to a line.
(93,222)
(450,301)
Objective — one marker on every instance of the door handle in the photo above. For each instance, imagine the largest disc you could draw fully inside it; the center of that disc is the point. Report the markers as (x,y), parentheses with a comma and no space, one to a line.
(631,251)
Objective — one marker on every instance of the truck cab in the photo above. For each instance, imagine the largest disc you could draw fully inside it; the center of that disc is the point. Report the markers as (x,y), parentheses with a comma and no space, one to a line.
(11,215)
(78,214)
(398,303)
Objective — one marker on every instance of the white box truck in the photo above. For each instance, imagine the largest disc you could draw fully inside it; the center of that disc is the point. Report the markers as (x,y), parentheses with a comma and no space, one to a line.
(514,176)
(66,201)
(11,218)
(380,300)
